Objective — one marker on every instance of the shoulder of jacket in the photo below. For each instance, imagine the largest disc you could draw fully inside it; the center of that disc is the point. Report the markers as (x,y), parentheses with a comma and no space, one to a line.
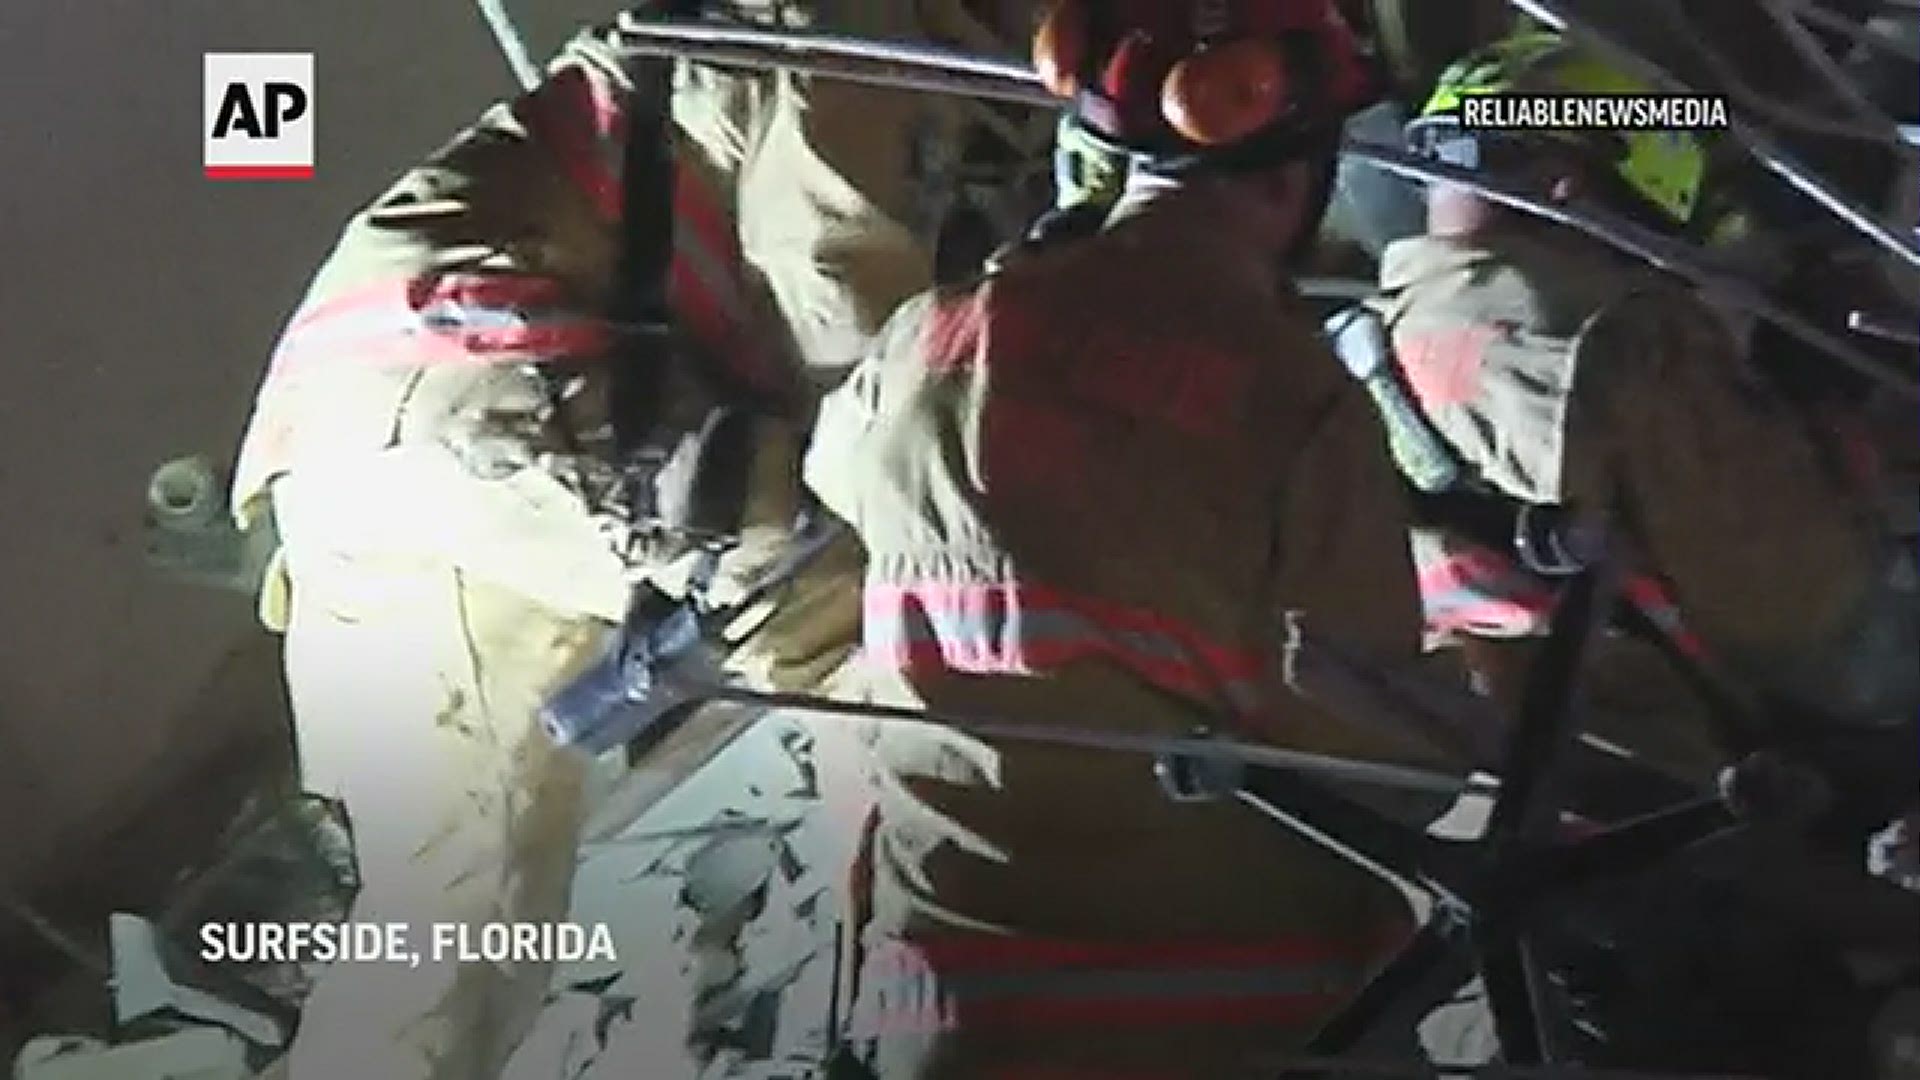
(907,325)
(1652,298)
(1654,315)
(610,52)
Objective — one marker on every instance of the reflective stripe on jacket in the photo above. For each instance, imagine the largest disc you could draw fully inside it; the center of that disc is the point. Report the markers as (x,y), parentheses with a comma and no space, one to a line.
(1131,450)
(797,231)
(499,252)
(959,982)
(1028,628)
(1473,590)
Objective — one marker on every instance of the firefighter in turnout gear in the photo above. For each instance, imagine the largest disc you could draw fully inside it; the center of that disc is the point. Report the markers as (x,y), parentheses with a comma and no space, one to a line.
(1544,368)
(465,437)
(1094,487)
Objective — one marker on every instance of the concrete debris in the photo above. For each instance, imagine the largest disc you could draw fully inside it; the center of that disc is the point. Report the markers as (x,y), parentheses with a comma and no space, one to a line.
(715,970)
(1460,1031)
(721,876)
(726,1065)
(191,537)
(201,1053)
(730,826)
(565,1042)
(729,823)
(724,920)
(798,743)
(731,1002)
(635,1025)
(1894,853)
(142,988)
(284,859)
(612,1007)
(783,936)
(1466,820)
(792,868)
(764,974)
(289,858)
(807,1000)
(762,958)
(738,1020)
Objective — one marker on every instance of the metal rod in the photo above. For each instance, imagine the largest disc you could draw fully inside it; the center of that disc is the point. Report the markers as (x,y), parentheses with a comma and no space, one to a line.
(1312,1065)
(1840,24)
(512,45)
(1631,845)
(1769,107)
(1816,56)
(1414,965)
(1387,841)
(1894,238)
(1882,326)
(1526,811)
(681,32)
(926,68)
(1402,777)
(831,54)
(896,75)
(1520,1010)
(1526,814)
(1336,288)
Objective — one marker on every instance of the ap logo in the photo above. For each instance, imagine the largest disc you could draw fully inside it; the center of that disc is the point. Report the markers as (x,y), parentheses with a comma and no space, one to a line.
(258,122)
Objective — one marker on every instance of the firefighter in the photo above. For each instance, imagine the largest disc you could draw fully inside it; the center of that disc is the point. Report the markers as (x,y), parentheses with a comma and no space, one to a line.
(1095,487)
(462,439)
(1555,371)
(1529,366)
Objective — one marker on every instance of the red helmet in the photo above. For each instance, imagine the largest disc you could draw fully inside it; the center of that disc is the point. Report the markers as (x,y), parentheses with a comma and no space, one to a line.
(1180,78)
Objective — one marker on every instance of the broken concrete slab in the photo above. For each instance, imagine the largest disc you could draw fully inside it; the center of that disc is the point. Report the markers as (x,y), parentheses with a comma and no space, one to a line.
(200,1053)
(719,900)
(725,872)
(142,988)
(568,1038)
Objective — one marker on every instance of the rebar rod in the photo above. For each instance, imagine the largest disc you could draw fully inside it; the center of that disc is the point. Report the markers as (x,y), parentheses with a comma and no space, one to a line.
(1772,108)
(1844,85)
(512,45)
(1860,34)
(939,70)
(1323,766)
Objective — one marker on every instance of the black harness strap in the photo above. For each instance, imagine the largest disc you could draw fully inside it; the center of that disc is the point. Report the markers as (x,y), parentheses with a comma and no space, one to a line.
(687,471)
(641,306)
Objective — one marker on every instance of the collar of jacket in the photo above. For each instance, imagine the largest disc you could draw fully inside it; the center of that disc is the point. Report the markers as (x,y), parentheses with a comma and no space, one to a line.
(1414,258)
(1191,217)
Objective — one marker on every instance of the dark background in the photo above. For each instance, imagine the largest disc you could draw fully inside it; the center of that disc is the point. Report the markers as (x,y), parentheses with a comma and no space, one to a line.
(138,306)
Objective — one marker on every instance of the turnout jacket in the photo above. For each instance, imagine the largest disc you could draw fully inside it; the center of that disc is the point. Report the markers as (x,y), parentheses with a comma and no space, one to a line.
(1093,489)
(458,338)
(1129,451)
(1559,374)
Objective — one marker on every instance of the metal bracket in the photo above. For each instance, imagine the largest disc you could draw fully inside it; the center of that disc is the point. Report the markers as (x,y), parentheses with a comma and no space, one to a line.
(1199,777)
